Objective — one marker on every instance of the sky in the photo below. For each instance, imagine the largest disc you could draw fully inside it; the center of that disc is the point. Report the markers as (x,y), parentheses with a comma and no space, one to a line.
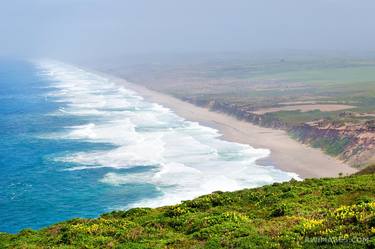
(87,28)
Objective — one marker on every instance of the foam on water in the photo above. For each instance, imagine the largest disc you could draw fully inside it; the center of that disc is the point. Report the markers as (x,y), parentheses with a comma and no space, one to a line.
(186,158)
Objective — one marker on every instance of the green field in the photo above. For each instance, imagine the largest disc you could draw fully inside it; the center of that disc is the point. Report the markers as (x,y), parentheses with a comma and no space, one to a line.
(353,84)
(331,76)
(262,82)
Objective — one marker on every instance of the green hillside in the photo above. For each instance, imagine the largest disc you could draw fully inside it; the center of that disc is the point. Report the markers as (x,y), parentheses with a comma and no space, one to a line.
(314,213)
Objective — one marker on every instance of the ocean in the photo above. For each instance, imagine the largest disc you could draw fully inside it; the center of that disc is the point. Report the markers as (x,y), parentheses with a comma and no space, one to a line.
(75,144)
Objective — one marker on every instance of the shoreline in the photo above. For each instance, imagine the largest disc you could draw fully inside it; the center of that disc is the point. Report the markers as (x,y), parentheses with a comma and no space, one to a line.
(287,154)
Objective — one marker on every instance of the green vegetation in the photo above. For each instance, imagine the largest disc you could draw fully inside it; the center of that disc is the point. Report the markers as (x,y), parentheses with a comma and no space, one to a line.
(298,117)
(332,145)
(339,73)
(314,213)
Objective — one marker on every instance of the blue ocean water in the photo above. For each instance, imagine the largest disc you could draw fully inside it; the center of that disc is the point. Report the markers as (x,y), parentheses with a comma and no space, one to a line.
(34,190)
(74,144)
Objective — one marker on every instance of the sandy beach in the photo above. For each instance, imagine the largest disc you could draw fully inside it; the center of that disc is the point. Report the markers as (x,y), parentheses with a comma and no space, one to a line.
(286,153)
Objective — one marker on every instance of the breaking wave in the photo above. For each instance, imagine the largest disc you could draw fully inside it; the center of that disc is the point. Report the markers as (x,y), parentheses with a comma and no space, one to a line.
(186,158)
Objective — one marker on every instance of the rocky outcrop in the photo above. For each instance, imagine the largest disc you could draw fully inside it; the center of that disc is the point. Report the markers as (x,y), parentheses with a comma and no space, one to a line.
(242,112)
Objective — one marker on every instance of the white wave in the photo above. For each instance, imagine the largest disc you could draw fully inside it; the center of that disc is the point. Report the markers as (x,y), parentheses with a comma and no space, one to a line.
(83,168)
(189,159)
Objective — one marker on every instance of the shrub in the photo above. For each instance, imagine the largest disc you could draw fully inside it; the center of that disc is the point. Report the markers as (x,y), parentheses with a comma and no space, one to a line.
(175,211)
(279,210)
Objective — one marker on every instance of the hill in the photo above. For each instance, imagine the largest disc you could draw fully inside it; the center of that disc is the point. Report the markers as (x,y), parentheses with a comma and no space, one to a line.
(314,213)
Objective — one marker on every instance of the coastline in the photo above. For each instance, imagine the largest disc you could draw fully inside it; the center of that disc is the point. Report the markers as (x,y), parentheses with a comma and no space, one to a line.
(287,154)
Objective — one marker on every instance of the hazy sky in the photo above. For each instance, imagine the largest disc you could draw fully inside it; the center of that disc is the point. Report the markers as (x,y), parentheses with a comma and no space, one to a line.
(110,27)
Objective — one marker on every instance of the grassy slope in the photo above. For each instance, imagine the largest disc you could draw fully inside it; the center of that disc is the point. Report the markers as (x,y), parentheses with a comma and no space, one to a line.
(276,216)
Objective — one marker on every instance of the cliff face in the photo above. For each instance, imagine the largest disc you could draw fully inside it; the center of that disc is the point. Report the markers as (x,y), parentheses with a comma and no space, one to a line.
(241,112)
(353,143)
